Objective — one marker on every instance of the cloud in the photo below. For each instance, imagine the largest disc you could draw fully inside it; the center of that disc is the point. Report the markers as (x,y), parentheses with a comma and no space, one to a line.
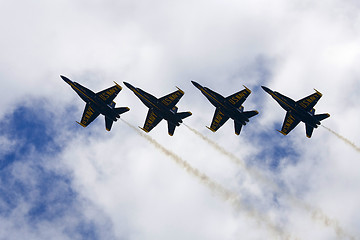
(88,183)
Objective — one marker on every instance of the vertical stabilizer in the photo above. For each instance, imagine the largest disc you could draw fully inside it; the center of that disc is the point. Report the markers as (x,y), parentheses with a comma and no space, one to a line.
(183,115)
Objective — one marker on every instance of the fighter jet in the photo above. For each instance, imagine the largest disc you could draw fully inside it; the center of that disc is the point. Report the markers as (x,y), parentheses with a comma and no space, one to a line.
(161,108)
(96,103)
(302,110)
(229,107)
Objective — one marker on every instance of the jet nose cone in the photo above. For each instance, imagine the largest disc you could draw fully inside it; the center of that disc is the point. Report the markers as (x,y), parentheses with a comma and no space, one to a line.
(266,89)
(66,79)
(128,85)
(196,84)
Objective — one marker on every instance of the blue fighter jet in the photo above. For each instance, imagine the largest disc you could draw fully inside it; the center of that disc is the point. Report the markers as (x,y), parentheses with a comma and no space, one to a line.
(229,107)
(302,110)
(96,103)
(161,108)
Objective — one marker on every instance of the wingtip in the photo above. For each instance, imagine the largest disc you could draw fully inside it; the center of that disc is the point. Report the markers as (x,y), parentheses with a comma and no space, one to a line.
(118,85)
(247,89)
(318,92)
(143,129)
(80,124)
(182,92)
(210,129)
(282,132)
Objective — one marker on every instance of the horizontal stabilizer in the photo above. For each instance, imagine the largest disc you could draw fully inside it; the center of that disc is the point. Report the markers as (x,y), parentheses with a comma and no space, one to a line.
(183,115)
(237,127)
(250,114)
(171,128)
(309,130)
(121,110)
(321,117)
(108,123)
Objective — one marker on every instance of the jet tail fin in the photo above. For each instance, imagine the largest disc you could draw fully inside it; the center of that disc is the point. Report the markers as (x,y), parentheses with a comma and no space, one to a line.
(183,115)
(108,123)
(250,114)
(237,127)
(309,130)
(321,117)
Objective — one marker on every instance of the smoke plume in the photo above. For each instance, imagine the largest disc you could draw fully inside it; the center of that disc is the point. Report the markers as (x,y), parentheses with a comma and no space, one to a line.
(347,141)
(215,187)
(317,214)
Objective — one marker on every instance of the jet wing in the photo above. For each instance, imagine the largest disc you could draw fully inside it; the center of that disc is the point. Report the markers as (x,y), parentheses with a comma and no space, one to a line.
(218,120)
(237,99)
(109,94)
(289,124)
(172,99)
(88,116)
(309,102)
(152,119)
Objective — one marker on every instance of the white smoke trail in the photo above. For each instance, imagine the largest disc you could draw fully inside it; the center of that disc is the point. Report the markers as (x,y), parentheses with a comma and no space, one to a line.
(254,173)
(224,193)
(316,214)
(347,141)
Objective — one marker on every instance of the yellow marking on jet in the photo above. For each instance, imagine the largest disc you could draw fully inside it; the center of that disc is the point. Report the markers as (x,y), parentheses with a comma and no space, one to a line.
(150,120)
(82,92)
(205,92)
(170,98)
(272,94)
(211,129)
(143,129)
(247,89)
(81,124)
(281,132)
(118,85)
(318,92)
(136,92)
(181,91)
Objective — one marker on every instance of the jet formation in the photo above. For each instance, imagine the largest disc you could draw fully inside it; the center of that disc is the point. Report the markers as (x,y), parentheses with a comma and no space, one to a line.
(165,108)
(296,111)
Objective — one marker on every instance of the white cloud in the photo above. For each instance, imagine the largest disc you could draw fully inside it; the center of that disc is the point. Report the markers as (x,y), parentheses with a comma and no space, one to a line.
(290,47)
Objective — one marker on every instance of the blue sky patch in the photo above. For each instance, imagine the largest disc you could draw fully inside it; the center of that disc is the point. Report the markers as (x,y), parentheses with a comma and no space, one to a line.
(26,179)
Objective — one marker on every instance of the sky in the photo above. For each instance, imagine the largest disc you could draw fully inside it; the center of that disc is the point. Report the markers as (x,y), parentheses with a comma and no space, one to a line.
(61,181)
